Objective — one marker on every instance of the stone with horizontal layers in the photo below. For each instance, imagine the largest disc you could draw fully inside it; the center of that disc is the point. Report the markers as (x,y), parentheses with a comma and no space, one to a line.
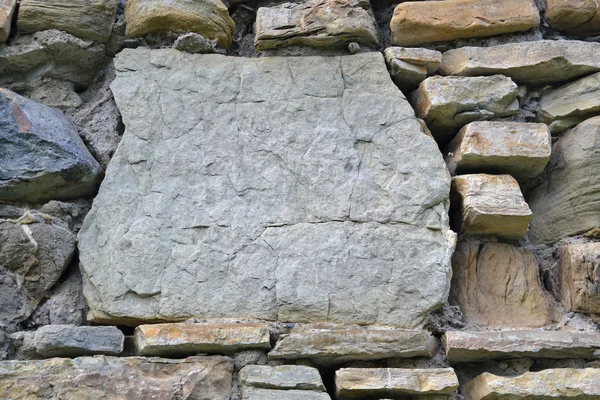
(560,383)
(209,18)
(465,346)
(410,66)
(448,103)
(316,23)
(578,17)
(415,23)
(333,346)
(182,339)
(100,377)
(529,63)
(7,9)
(285,192)
(264,394)
(569,105)
(489,205)
(283,377)
(75,341)
(498,285)
(567,203)
(519,149)
(378,383)
(580,277)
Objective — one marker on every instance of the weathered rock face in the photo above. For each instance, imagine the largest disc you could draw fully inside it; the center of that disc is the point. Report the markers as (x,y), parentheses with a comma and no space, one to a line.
(410,66)
(497,147)
(567,203)
(209,18)
(262,394)
(416,23)
(283,377)
(7,9)
(579,17)
(580,277)
(567,106)
(448,103)
(316,23)
(74,341)
(562,383)
(110,378)
(498,285)
(42,155)
(286,192)
(86,19)
(547,61)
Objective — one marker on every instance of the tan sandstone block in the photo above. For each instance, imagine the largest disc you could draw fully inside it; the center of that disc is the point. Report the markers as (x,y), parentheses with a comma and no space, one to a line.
(410,66)
(7,9)
(580,277)
(574,16)
(415,23)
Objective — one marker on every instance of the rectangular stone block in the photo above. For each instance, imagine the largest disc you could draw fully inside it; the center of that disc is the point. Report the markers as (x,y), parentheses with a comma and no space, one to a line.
(181,339)
(283,377)
(497,147)
(580,277)
(489,205)
(579,17)
(377,383)
(264,394)
(464,346)
(410,66)
(75,341)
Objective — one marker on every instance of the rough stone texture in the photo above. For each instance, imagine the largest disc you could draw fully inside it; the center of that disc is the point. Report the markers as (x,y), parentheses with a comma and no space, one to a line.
(489,205)
(22,346)
(415,23)
(188,339)
(448,103)
(54,93)
(316,23)
(262,394)
(7,9)
(332,346)
(42,155)
(567,106)
(284,377)
(567,203)
(110,378)
(34,251)
(286,192)
(462,346)
(580,277)
(561,383)
(74,341)
(498,285)
(529,63)
(195,43)
(210,18)
(363,383)
(579,17)
(498,147)
(86,19)
(410,66)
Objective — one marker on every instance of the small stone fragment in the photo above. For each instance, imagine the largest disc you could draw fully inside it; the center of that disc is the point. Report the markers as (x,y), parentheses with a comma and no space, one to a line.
(284,377)
(497,147)
(56,93)
(353,47)
(75,341)
(579,17)
(567,106)
(580,277)
(316,23)
(195,43)
(264,394)
(529,63)
(410,66)
(560,383)
(465,347)
(448,103)
(7,9)
(415,23)
(489,205)
(183,339)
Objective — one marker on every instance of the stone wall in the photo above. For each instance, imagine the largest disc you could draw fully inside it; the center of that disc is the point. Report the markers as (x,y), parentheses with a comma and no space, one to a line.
(327,199)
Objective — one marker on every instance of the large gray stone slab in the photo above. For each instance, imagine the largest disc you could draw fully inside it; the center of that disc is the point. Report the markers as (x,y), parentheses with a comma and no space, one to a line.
(283,377)
(273,188)
(74,341)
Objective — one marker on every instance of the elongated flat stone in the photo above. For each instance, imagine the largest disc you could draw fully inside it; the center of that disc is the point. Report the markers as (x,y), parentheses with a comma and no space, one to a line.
(580,277)
(463,346)
(331,346)
(363,383)
(283,377)
(183,339)
(75,341)
(562,383)
(529,63)
(264,394)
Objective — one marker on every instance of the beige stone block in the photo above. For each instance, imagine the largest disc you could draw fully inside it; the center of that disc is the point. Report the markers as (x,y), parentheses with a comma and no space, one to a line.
(580,277)
(574,16)
(7,9)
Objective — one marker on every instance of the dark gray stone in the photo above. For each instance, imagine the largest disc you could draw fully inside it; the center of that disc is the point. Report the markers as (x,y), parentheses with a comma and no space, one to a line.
(75,341)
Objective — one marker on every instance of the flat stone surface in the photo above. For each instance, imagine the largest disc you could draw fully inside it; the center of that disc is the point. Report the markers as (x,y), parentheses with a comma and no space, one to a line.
(498,285)
(521,150)
(75,341)
(263,394)
(331,346)
(567,106)
(567,204)
(489,205)
(283,377)
(579,17)
(188,339)
(561,383)
(580,277)
(362,383)
(100,377)
(291,187)
(546,61)
(410,66)
(7,9)
(464,346)
(316,23)
(448,103)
